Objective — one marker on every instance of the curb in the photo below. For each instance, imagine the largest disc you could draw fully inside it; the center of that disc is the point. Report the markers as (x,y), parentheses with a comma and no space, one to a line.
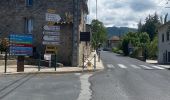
(62,72)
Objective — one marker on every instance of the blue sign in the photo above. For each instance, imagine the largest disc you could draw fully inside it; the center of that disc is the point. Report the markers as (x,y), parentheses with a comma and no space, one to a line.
(21,44)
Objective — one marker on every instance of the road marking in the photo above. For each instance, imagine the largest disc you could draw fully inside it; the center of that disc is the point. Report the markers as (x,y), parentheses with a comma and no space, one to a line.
(164,66)
(110,66)
(146,67)
(77,74)
(85,93)
(122,66)
(157,67)
(134,66)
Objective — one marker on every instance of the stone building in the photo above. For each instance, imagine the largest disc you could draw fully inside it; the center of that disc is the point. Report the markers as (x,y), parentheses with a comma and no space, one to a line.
(164,43)
(29,17)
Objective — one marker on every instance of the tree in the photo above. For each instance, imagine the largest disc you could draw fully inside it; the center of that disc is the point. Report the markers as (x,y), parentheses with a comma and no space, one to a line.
(99,35)
(153,48)
(138,41)
(150,26)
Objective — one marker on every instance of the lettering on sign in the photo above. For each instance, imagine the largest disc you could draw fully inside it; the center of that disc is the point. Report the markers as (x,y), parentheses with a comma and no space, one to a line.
(51,38)
(51,43)
(53,17)
(51,33)
(51,28)
(51,11)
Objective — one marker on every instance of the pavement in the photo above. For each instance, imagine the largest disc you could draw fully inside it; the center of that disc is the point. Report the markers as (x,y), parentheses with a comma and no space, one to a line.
(12,69)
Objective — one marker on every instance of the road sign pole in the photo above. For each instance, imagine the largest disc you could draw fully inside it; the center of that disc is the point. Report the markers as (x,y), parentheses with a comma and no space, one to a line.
(5,61)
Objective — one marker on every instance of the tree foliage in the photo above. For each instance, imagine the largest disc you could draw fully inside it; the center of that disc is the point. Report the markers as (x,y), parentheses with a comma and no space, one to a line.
(153,48)
(135,41)
(150,25)
(99,35)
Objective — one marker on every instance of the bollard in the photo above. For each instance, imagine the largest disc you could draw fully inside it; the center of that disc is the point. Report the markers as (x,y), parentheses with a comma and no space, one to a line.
(55,61)
(99,56)
(94,61)
(83,61)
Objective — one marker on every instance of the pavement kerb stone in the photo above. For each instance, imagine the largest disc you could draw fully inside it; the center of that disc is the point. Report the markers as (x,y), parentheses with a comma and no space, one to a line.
(62,72)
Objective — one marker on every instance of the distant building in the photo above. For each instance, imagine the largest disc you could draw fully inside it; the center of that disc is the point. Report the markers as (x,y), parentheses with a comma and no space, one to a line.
(30,17)
(113,41)
(164,43)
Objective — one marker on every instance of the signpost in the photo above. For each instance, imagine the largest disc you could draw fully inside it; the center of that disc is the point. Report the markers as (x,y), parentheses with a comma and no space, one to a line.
(53,17)
(51,28)
(21,45)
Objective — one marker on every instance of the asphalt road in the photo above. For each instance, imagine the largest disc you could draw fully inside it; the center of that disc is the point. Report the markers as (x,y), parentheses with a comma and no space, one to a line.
(40,87)
(123,78)
(126,78)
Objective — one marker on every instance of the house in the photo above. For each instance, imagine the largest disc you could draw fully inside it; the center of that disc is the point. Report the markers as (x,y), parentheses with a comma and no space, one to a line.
(39,17)
(113,41)
(164,43)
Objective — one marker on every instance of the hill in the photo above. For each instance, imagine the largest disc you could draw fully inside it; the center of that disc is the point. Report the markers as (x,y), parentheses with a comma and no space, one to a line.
(119,31)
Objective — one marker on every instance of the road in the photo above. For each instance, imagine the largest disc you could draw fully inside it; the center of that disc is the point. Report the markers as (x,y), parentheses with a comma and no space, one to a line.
(126,78)
(123,78)
(39,87)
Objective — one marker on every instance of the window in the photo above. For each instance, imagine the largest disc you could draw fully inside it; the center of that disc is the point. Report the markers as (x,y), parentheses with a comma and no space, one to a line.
(167,36)
(162,37)
(29,2)
(28,25)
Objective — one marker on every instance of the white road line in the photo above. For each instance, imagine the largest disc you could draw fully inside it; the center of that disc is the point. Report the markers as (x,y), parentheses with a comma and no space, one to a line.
(134,66)
(157,67)
(122,66)
(85,93)
(110,66)
(77,74)
(146,67)
(164,66)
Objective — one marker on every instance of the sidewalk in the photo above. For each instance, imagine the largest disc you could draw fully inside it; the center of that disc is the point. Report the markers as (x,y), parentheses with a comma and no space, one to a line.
(12,69)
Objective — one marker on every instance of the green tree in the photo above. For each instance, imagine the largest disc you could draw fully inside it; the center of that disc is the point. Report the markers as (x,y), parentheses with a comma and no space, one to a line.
(150,25)
(99,35)
(138,41)
(153,48)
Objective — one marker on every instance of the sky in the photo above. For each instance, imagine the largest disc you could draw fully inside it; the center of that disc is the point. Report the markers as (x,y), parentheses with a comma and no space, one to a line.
(126,13)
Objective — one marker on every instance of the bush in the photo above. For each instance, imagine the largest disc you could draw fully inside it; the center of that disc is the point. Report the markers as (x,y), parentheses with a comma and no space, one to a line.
(117,50)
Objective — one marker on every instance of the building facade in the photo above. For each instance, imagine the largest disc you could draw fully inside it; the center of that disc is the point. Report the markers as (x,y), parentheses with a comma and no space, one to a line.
(164,43)
(31,16)
(113,41)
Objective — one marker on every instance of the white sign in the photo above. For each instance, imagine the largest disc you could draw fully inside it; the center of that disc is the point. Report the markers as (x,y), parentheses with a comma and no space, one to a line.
(47,56)
(53,17)
(51,28)
(51,43)
(51,38)
(51,33)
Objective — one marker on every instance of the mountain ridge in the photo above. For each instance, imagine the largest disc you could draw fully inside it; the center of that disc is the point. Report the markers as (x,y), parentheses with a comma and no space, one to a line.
(119,31)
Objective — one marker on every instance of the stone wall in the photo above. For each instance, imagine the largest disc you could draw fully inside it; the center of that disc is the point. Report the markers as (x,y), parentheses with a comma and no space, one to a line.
(14,12)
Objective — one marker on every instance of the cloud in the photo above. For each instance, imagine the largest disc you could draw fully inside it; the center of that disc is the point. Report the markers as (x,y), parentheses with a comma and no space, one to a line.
(124,13)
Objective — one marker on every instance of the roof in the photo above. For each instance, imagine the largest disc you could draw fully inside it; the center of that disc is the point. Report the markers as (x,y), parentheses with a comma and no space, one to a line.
(115,38)
(167,23)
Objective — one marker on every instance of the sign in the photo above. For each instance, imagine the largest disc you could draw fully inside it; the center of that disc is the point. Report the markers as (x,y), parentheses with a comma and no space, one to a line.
(51,33)
(21,45)
(84,36)
(47,57)
(51,28)
(51,38)
(51,11)
(53,17)
(51,49)
(51,43)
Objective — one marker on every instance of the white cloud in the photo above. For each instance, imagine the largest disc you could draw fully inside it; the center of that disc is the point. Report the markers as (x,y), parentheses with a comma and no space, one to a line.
(125,13)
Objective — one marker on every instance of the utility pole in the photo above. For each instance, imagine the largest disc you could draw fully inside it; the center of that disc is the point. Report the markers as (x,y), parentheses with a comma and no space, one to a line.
(96,9)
